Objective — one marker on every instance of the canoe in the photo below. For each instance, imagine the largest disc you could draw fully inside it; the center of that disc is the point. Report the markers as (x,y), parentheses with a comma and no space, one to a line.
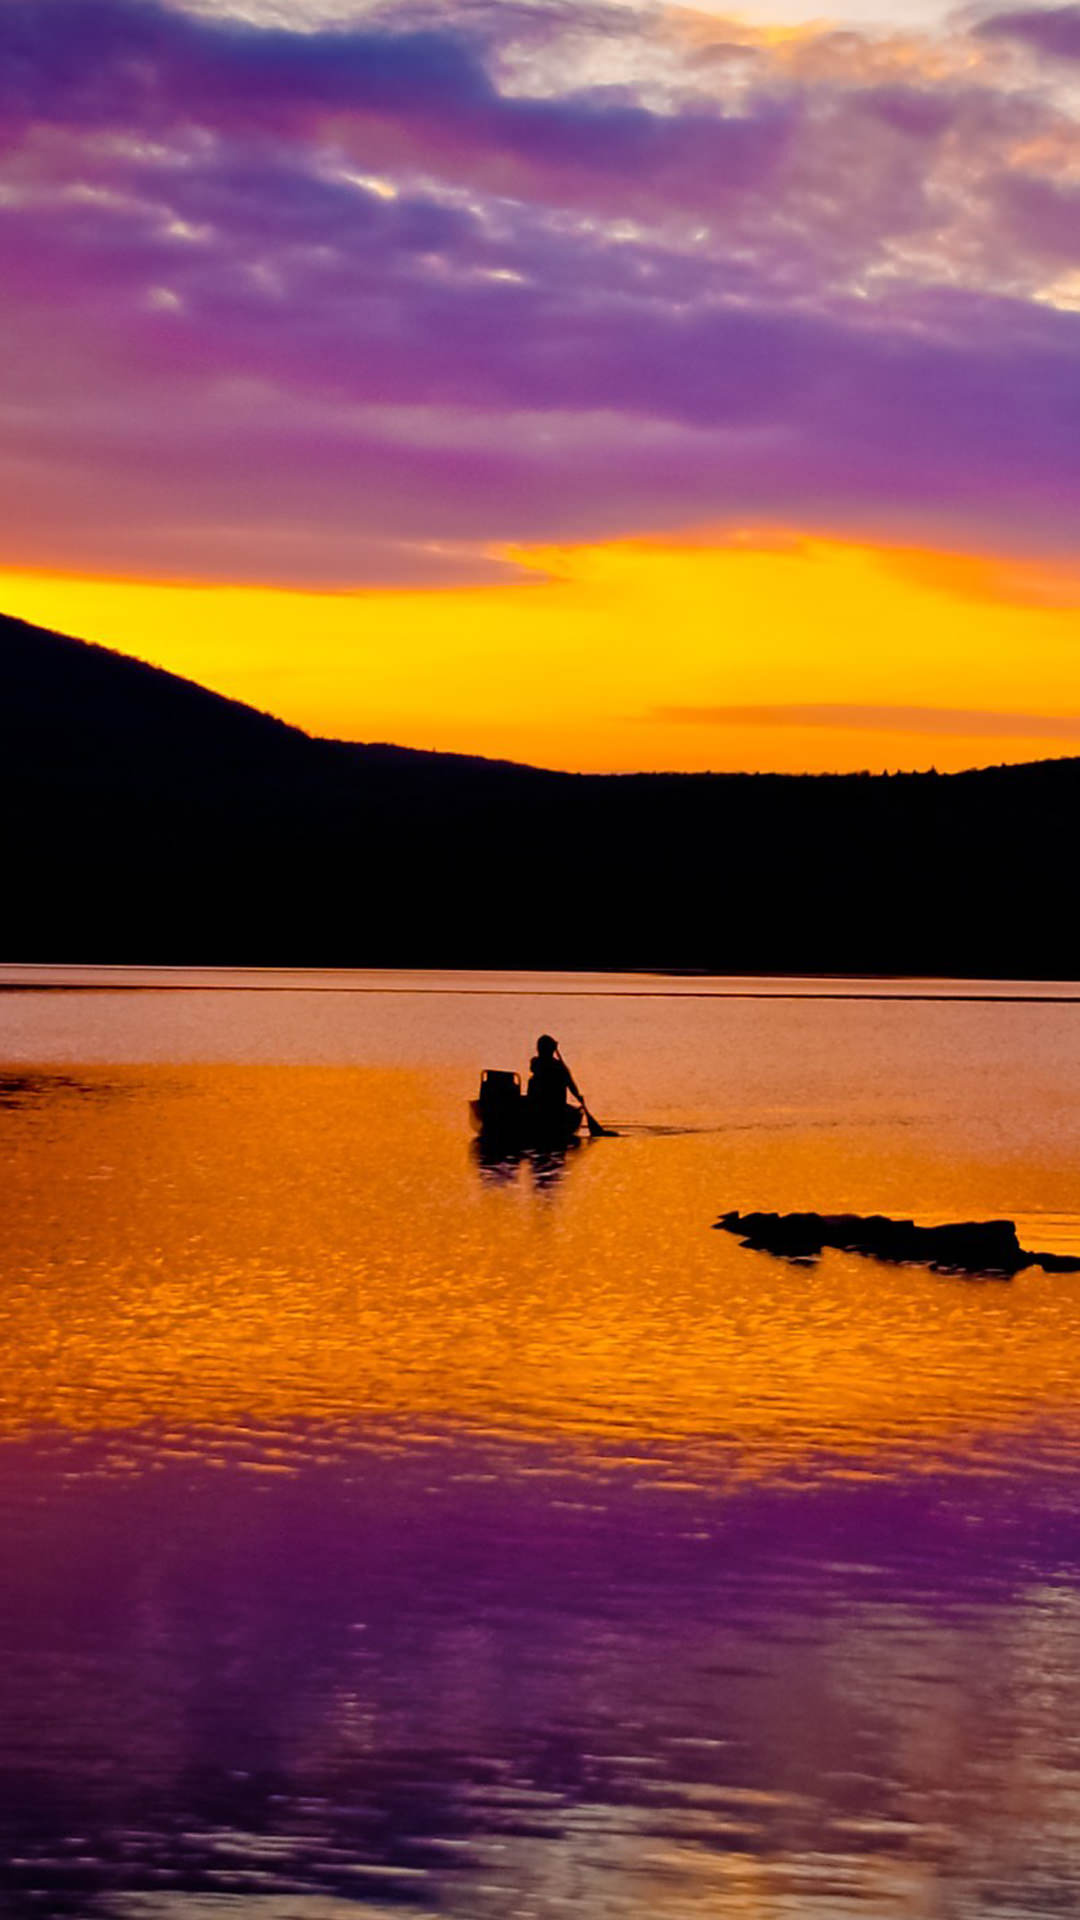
(519,1131)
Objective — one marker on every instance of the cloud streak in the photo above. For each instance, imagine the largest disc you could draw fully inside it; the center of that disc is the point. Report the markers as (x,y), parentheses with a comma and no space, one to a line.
(951,722)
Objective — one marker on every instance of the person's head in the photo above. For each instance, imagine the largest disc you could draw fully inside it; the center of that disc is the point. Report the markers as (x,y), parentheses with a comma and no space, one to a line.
(546,1047)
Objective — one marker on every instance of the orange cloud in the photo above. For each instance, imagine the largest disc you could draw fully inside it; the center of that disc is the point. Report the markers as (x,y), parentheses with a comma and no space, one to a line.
(944,721)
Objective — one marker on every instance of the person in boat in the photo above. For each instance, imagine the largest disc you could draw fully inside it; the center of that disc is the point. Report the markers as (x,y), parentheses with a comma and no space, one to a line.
(550,1082)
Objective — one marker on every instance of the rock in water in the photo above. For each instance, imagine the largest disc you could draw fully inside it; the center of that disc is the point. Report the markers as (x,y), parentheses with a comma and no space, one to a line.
(986,1247)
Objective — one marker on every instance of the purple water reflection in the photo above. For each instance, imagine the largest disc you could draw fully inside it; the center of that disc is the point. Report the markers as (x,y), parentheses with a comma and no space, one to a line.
(422,1678)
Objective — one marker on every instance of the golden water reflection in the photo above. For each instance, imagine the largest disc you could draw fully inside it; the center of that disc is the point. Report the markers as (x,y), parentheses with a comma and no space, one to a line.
(214,1246)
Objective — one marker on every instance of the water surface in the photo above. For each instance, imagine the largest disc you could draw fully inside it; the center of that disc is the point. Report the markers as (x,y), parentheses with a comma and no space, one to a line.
(386,1530)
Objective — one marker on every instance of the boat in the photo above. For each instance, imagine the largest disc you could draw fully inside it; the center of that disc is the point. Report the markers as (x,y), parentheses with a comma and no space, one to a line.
(501,1116)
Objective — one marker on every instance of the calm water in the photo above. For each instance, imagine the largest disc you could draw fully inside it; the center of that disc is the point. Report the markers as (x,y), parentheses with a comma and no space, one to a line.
(384,1532)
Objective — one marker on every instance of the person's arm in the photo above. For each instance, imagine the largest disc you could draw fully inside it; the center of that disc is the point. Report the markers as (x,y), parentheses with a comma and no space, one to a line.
(571,1083)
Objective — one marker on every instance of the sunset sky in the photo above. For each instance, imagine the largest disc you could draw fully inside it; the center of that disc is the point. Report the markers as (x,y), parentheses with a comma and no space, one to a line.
(593,383)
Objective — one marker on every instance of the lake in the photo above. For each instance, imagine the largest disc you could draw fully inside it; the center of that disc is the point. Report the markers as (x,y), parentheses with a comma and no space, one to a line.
(387,1532)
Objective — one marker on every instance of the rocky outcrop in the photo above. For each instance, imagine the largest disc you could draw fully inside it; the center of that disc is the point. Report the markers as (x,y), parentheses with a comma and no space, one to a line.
(986,1247)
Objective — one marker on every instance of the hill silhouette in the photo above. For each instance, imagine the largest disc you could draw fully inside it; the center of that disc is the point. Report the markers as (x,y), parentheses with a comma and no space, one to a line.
(150,820)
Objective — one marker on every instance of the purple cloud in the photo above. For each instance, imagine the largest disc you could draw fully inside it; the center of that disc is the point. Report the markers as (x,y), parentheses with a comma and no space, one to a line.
(1040,216)
(357,304)
(1054,30)
(118,64)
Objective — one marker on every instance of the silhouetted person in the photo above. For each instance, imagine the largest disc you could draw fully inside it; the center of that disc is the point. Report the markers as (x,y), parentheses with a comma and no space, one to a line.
(550,1081)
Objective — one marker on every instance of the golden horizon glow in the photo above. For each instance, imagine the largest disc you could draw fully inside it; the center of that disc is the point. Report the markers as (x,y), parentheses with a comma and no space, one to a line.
(769,652)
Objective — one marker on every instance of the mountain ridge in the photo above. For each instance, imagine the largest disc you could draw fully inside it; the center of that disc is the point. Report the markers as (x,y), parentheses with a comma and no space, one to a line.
(148,814)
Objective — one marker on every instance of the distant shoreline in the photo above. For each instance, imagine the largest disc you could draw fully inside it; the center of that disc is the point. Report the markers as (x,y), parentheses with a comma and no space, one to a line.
(18,978)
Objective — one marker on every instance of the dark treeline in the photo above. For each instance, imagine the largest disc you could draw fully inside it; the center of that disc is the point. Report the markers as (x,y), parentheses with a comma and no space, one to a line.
(148,820)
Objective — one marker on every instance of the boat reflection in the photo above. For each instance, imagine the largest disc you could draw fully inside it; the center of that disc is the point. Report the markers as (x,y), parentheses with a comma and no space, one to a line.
(501,1165)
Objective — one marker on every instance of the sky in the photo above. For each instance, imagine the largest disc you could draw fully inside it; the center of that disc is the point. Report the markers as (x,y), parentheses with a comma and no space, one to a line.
(601,384)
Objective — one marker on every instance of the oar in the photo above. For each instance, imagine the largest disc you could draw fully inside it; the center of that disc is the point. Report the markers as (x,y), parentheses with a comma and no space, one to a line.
(596,1131)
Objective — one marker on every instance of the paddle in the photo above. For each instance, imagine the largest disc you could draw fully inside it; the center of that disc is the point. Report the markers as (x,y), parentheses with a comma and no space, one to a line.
(596,1131)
